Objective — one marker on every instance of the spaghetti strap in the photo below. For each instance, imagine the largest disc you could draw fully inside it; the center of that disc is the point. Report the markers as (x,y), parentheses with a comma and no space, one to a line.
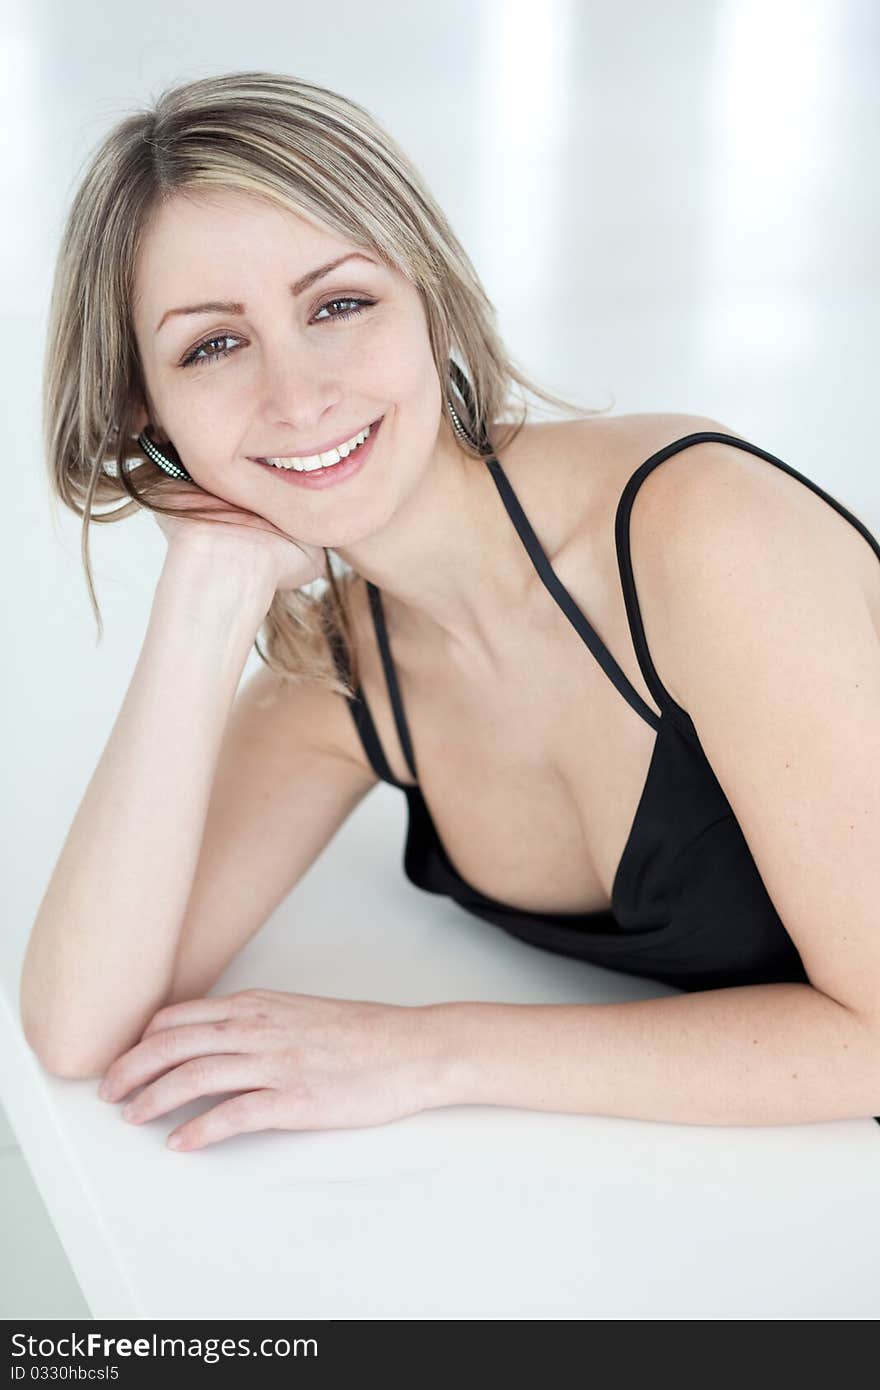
(359,708)
(563,598)
(624,556)
(378,612)
(687,905)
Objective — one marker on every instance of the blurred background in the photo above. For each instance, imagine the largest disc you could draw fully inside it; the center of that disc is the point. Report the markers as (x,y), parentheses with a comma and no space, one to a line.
(673,205)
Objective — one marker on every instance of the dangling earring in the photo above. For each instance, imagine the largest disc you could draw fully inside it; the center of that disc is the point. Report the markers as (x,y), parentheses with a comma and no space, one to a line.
(459,381)
(457,425)
(169,466)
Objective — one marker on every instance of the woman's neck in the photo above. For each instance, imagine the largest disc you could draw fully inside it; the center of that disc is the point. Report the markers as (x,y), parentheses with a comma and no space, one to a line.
(448,559)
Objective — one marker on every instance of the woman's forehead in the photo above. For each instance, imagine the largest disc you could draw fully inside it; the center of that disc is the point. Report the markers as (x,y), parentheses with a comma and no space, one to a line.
(248,244)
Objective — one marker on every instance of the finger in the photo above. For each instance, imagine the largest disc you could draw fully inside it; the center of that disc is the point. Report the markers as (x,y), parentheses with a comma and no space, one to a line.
(242,1115)
(168,1048)
(203,1076)
(206,1009)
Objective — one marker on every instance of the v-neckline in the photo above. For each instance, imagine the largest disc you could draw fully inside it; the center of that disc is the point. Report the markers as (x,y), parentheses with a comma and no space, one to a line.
(592,641)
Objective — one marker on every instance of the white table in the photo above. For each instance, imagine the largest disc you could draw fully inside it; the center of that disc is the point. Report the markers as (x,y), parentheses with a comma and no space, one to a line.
(462,1212)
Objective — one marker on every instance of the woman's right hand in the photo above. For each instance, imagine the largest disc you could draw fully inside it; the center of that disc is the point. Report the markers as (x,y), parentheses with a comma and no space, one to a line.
(235,536)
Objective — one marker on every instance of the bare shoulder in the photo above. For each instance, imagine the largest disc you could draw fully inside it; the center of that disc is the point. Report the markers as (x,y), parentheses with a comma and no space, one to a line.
(611,447)
(715,488)
(709,506)
(587,463)
(682,477)
(619,444)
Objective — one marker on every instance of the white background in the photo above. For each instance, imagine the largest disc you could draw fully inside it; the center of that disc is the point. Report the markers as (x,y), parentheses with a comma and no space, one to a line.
(673,203)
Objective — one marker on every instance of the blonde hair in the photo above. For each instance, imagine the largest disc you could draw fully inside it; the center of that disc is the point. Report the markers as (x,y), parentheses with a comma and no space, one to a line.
(306,149)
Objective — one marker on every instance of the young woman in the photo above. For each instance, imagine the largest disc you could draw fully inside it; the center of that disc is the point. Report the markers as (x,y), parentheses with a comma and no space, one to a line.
(625,670)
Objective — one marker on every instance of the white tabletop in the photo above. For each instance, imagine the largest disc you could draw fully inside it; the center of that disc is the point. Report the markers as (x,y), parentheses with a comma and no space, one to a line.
(460,1212)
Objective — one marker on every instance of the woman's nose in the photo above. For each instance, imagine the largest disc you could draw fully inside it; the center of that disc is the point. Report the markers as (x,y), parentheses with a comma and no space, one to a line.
(298,396)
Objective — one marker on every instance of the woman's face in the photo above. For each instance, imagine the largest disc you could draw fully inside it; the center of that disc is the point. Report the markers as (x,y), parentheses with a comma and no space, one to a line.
(277,370)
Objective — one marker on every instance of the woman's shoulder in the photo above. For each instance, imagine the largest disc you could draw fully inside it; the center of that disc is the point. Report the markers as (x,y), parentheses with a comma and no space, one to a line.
(615,445)
(569,474)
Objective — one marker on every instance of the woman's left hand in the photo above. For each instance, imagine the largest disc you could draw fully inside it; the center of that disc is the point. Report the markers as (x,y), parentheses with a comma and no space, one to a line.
(300,1061)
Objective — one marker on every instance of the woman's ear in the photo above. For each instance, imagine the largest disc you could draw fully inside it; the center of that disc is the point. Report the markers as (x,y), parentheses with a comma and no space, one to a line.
(146,417)
(142,421)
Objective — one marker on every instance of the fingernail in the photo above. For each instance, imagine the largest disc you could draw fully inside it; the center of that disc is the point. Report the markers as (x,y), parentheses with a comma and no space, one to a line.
(175,1141)
(104,1090)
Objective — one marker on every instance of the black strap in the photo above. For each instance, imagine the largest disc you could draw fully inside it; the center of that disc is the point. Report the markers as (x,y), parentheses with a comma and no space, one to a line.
(624,556)
(391,677)
(359,708)
(563,598)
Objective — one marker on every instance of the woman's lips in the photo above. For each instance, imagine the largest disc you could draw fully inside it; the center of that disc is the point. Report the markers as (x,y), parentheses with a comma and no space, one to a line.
(318,478)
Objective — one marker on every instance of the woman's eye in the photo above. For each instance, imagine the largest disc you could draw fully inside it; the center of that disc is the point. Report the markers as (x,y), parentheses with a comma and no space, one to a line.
(193,359)
(347,313)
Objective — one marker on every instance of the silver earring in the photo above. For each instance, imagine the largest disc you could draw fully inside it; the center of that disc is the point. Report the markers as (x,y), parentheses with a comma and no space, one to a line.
(459,381)
(457,425)
(174,470)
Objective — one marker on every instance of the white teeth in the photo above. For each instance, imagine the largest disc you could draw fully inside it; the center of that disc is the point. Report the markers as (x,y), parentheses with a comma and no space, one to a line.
(307,465)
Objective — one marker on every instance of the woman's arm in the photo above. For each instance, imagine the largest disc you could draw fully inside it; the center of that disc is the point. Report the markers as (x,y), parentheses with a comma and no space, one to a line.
(752,1055)
(765,1054)
(102,949)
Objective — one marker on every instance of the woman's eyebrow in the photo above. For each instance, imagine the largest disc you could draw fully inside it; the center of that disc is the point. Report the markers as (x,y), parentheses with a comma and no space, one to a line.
(223,306)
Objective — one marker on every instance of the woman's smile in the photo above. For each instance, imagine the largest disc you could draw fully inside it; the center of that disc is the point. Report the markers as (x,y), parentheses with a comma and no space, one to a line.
(320,475)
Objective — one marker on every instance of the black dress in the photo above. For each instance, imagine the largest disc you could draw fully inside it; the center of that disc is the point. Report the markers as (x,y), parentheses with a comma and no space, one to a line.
(688,906)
